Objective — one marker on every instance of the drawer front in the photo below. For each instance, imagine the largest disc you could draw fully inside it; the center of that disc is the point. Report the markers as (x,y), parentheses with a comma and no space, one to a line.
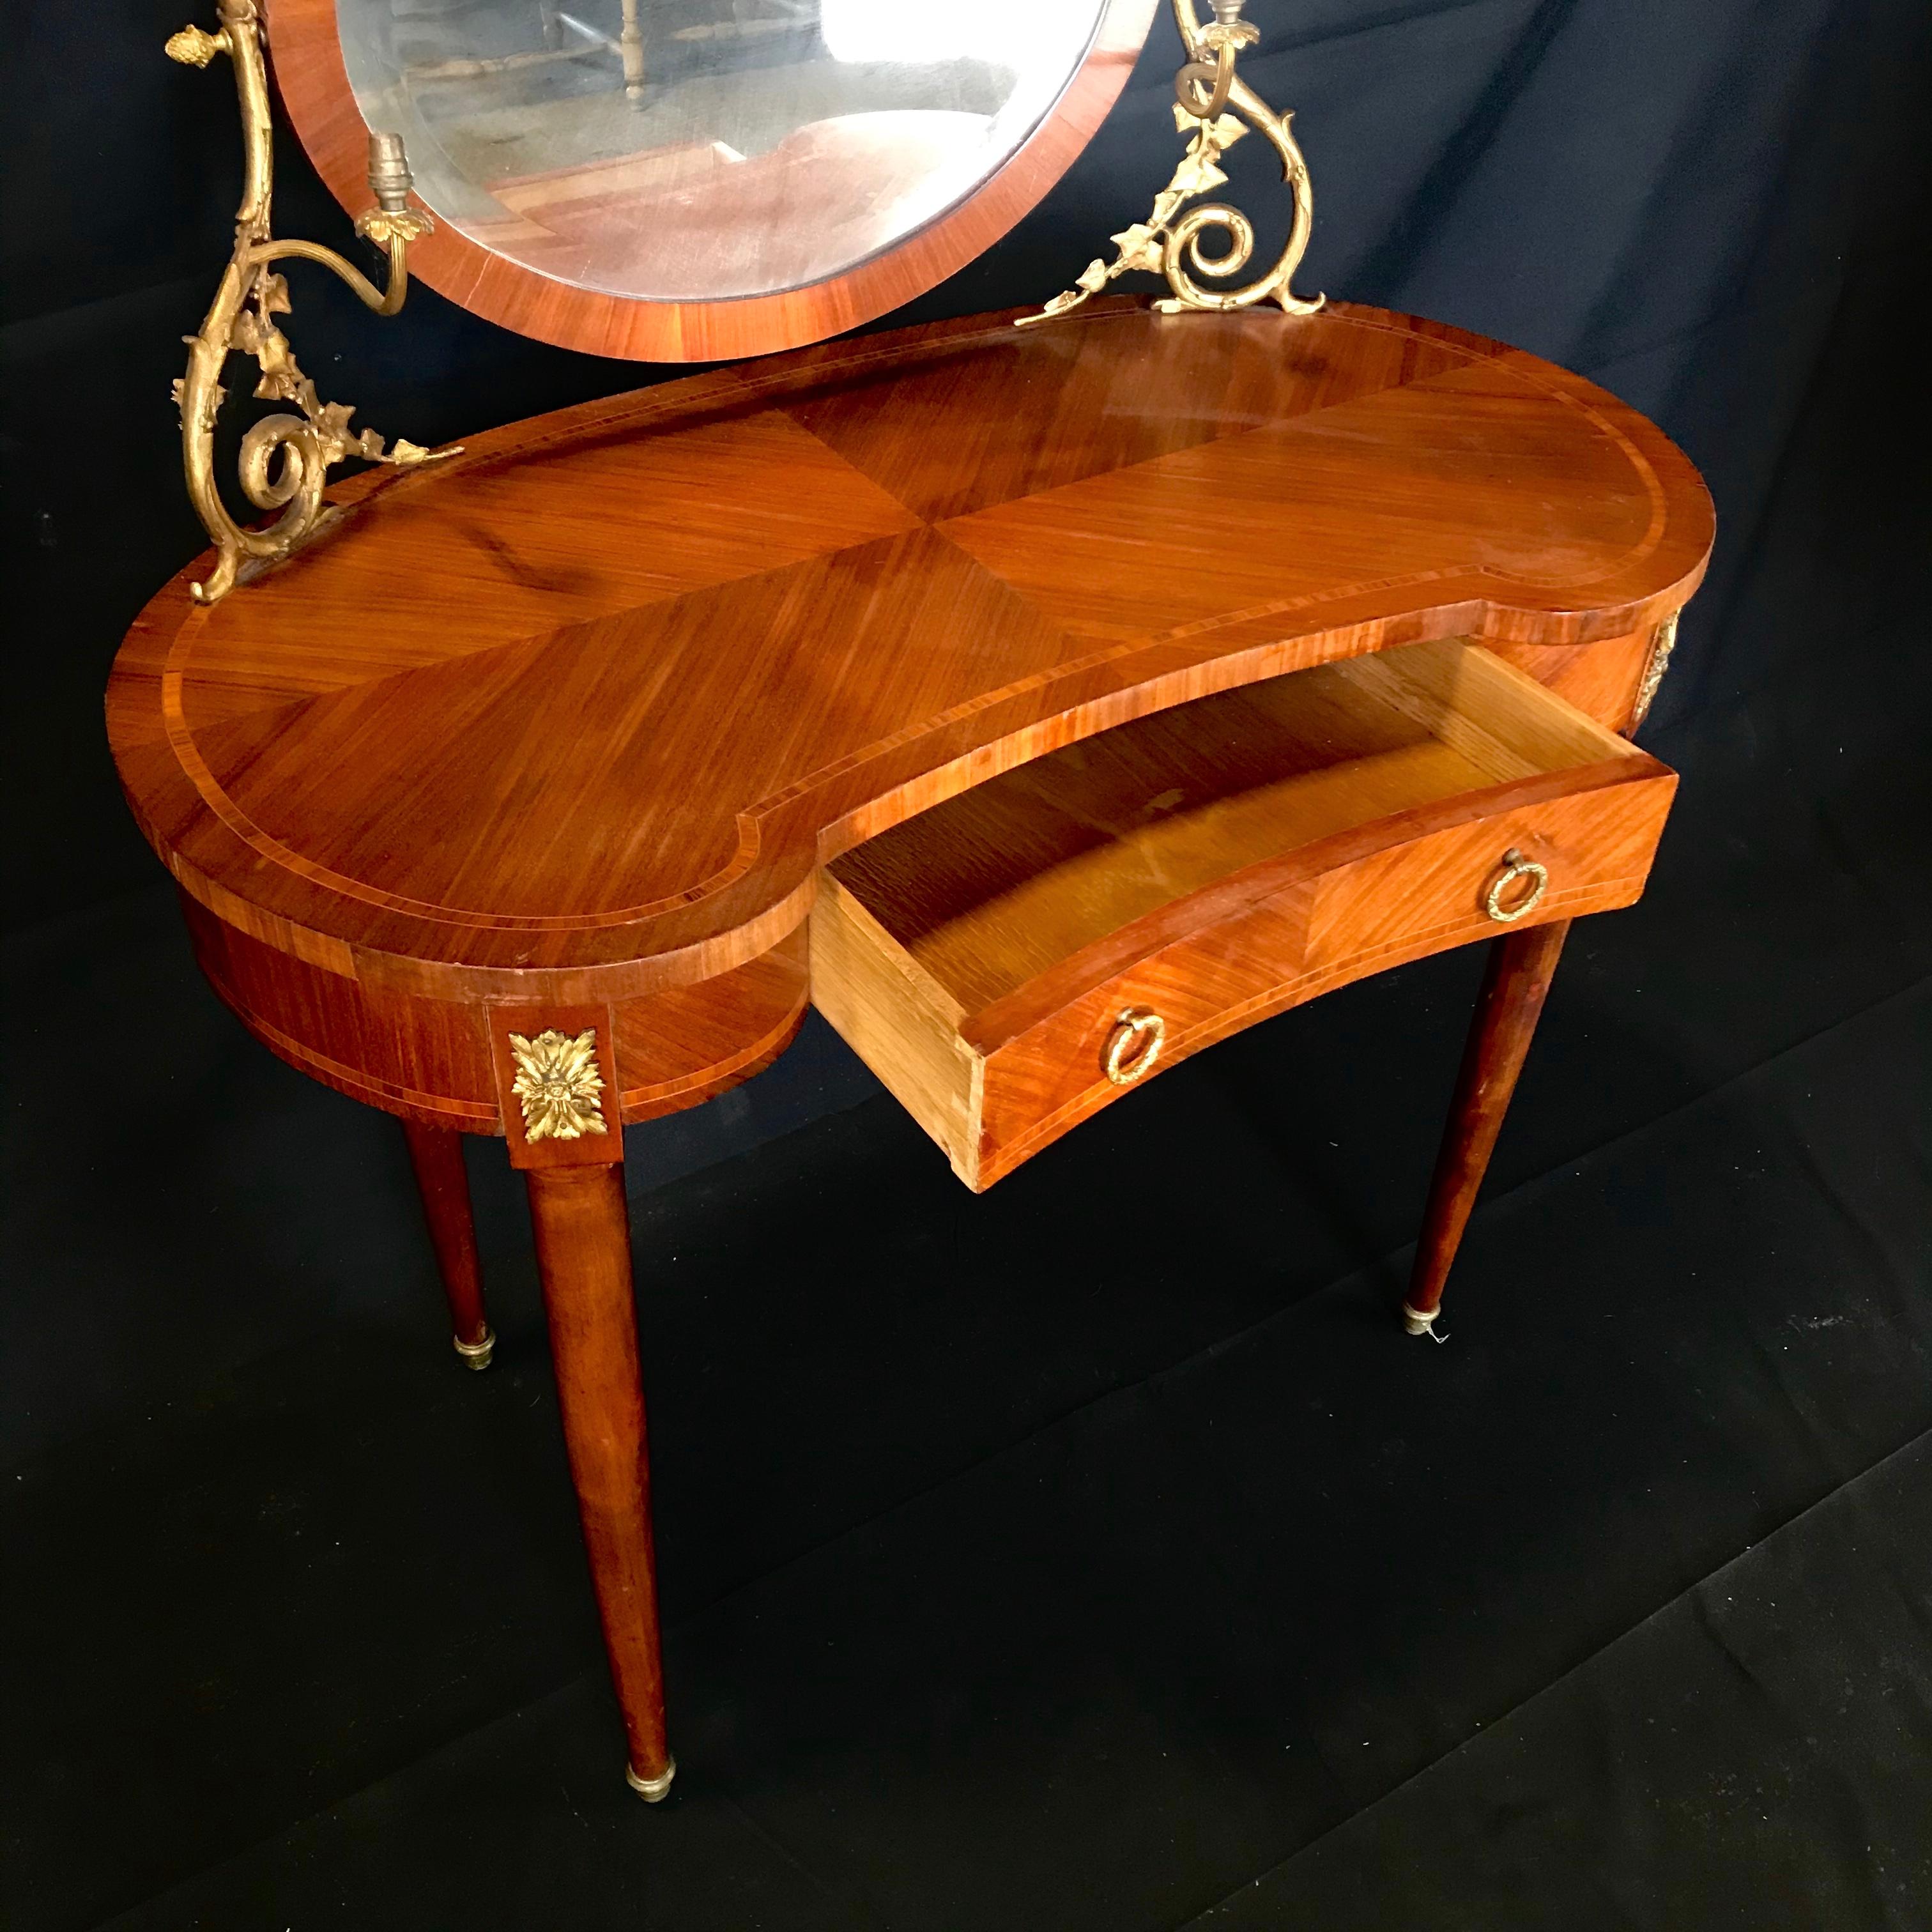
(1594,848)
(1023,955)
(1048,1078)
(1407,899)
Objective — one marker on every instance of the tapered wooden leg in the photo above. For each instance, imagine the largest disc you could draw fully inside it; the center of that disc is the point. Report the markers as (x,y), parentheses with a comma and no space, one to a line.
(1515,984)
(584,1252)
(436,1153)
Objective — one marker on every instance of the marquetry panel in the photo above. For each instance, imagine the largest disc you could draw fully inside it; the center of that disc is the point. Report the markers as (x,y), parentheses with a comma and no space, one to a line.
(432,1060)
(1059,406)
(576,715)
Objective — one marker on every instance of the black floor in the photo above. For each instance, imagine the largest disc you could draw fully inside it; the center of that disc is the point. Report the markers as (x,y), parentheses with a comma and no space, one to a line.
(1097,1553)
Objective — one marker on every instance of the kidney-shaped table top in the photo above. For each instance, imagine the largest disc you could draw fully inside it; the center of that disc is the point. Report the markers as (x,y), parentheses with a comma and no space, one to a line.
(602,693)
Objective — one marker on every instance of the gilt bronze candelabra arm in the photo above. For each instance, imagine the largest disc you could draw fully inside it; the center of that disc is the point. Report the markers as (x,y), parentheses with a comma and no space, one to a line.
(285,459)
(1169,243)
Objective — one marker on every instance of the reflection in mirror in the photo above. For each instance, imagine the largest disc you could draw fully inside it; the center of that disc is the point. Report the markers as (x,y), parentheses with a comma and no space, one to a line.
(696,150)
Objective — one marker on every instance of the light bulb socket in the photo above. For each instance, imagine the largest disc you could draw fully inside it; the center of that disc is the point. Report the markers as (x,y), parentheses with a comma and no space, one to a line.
(389,177)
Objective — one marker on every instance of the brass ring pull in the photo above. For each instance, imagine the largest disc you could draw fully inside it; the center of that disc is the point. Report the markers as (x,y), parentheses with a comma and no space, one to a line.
(1130,1029)
(1515,866)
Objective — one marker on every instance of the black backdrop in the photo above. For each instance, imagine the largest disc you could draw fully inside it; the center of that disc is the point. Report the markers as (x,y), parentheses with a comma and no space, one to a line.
(1141,1578)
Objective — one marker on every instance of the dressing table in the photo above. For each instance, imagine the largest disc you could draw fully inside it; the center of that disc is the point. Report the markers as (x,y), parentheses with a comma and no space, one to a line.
(1044,704)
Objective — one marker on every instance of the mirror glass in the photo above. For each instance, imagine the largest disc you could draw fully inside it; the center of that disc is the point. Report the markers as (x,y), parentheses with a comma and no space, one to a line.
(697,150)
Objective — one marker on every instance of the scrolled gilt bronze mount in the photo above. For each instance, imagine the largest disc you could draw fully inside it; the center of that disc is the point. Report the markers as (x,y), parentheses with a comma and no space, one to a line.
(1655,665)
(1169,243)
(240,319)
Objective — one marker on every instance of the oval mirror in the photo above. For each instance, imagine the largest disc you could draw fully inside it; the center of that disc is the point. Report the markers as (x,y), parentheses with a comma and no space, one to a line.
(673,180)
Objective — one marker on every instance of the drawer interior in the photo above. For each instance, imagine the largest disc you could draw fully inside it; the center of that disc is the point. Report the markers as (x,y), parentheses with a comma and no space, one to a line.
(989,890)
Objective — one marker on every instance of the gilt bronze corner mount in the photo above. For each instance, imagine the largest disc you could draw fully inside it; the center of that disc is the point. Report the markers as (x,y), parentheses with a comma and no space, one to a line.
(285,459)
(558,1085)
(1169,243)
(1662,643)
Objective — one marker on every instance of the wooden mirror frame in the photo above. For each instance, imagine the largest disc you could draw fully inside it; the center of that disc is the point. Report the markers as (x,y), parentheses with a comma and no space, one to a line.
(306,54)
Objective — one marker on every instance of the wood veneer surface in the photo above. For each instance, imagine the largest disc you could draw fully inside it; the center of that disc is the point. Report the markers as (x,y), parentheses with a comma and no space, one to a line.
(578,714)
(1209,865)
(996,885)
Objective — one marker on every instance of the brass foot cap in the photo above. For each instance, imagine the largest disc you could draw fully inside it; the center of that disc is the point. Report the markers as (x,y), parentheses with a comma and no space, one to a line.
(476,1355)
(651,1790)
(1417,1323)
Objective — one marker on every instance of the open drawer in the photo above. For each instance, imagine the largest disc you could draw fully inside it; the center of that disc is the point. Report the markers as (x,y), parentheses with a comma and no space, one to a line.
(1016,957)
